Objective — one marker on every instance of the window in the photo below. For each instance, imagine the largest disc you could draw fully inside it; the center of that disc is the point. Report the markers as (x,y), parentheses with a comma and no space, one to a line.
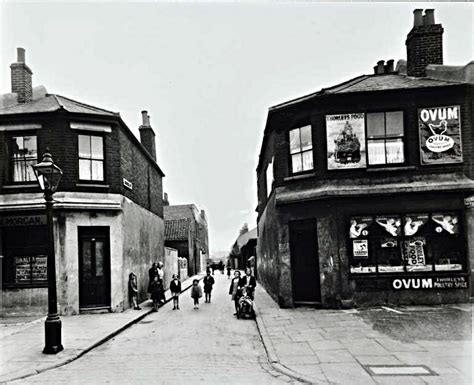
(269,176)
(91,158)
(406,243)
(23,154)
(385,138)
(301,149)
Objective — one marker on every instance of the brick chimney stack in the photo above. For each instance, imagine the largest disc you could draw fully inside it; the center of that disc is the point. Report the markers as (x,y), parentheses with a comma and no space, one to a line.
(424,43)
(147,135)
(21,78)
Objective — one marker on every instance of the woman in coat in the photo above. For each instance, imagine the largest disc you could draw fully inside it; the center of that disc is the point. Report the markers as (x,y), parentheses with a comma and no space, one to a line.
(234,290)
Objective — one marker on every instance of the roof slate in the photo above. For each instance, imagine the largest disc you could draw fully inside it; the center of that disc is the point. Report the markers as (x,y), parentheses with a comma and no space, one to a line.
(176,230)
(176,212)
(243,239)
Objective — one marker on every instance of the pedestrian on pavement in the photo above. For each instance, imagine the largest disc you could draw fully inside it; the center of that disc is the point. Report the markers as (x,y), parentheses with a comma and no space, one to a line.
(161,276)
(152,273)
(196,293)
(234,290)
(228,270)
(175,288)
(208,282)
(133,291)
(155,293)
(249,282)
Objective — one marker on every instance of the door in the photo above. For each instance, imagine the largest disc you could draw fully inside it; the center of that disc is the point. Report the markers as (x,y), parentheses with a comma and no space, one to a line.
(305,262)
(94,267)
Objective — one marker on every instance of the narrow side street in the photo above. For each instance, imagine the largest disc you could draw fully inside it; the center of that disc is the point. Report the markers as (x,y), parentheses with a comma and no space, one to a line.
(208,345)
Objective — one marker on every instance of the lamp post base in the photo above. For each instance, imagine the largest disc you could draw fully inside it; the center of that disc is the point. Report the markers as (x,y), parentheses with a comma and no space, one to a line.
(52,335)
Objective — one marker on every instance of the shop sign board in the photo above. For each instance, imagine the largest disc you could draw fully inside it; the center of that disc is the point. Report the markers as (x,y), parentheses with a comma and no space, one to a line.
(360,248)
(23,220)
(440,135)
(345,135)
(31,268)
(436,283)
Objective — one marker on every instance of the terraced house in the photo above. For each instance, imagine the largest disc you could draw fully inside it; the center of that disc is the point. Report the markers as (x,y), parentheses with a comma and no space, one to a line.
(366,188)
(108,216)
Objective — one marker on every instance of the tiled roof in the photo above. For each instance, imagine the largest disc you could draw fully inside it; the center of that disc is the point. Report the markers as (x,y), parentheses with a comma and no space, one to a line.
(52,102)
(175,212)
(243,239)
(176,230)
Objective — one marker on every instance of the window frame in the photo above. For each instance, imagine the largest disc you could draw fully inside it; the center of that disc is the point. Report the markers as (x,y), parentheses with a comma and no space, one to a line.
(301,152)
(384,139)
(91,159)
(10,161)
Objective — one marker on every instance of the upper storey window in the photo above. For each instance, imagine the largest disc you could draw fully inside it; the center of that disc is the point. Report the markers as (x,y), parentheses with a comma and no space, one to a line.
(385,138)
(23,154)
(301,149)
(91,157)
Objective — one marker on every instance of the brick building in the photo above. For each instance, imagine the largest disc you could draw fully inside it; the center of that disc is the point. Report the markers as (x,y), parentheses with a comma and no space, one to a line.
(108,212)
(244,249)
(366,188)
(186,230)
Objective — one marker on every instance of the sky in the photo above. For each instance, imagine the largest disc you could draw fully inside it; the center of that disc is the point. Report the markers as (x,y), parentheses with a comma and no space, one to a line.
(208,72)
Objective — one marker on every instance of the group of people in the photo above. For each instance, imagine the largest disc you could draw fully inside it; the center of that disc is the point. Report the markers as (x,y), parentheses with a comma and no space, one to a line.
(241,288)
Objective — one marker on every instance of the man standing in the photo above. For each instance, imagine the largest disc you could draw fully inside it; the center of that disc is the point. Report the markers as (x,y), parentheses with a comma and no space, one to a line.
(249,282)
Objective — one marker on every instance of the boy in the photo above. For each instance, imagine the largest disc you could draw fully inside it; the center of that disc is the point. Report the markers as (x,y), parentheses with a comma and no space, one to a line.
(208,282)
(175,288)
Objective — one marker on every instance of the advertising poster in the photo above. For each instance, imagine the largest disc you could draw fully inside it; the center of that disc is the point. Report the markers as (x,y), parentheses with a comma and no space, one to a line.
(346,141)
(413,223)
(446,223)
(359,227)
(392,224)
(360,248)
(440,135)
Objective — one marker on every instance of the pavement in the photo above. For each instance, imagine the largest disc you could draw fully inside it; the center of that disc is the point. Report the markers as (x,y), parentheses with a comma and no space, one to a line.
(369,346)
(22,339)
(187,346)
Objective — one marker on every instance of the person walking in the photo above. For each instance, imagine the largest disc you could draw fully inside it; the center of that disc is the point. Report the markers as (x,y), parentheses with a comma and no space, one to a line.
(196,293)
(175,288)
(234,290)
(155,293)
(208,283)
(133,291)
(228,270)
(249,282)
(152,273)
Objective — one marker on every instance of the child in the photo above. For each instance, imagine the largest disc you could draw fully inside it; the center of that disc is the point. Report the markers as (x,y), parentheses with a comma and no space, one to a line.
(196,293)
(133,291)
(208,282)
(175,288)
(155,289)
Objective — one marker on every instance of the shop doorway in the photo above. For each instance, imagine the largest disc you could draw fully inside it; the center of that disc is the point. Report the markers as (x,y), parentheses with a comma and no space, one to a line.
(305,262)
(94,267)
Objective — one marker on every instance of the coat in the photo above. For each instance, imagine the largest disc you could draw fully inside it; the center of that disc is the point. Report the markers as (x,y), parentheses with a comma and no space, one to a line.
(152,273)
(196,291)
(250,282)
(175,287)
(208,282)
(155,290)
(235,294)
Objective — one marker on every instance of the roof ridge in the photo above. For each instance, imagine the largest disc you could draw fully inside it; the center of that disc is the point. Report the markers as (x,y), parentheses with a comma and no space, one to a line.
(86,105)
(348,83)
(56,98)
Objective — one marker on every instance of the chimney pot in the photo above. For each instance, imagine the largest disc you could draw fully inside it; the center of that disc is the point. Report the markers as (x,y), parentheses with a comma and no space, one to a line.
(389,66)
(145,118)
(20,55)
(418,18)
(380,67)
(147,135)
(429,17)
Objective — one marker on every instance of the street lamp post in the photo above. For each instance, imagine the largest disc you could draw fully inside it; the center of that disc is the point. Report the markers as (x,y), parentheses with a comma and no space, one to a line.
(49,175)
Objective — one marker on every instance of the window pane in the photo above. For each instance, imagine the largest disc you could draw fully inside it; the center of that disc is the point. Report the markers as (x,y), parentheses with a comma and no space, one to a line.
(394,148)
(86,258)
(84,169)
(99,258)
(307,160)
(296,163)
(17,147)
(306,141)
(29,146)
(84,146)
(295,140)
(394,123)
(97,170)
(376,151)
(29,173)
(376,125)
(97,151)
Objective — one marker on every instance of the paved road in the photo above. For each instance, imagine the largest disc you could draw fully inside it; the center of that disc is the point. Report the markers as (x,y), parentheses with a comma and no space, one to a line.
(188,346)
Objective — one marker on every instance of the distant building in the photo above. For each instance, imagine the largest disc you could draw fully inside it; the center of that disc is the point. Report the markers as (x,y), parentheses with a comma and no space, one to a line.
(366,188)
(186,230)
(108,212)
(244,249)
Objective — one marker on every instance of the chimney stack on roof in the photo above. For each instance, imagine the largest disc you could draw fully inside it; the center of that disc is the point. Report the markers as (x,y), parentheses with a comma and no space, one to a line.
(147,135)
(424,43)
(21,78)
(166,202)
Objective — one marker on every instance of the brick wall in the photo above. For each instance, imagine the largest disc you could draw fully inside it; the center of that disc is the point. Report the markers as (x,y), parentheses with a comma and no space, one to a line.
(424,46)
(21,82)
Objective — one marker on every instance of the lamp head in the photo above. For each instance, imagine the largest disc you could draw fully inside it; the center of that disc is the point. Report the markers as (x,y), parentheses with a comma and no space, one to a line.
(48,173)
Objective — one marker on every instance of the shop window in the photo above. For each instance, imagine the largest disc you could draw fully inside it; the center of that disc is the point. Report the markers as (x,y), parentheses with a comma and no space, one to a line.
(23,155)
(91,158)
(385,138)
(301,149)
(406,243)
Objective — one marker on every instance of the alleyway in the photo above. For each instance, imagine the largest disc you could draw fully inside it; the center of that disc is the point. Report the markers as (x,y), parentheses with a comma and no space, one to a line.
(176,347)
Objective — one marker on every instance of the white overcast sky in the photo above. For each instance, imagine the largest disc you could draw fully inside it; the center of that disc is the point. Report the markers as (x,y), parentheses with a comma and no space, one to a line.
(207,73)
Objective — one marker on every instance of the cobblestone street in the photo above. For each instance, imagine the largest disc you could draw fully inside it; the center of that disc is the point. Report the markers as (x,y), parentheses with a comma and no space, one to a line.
(208,345)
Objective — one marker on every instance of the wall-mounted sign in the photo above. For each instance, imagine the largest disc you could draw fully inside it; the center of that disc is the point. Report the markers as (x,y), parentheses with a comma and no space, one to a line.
(440,135)
(127,184)
(360,226)
(31,268)
(360,248)
(346,141)
(23,220)
(430,283)
(447,223)
(469,202)
(413,222)
(391,224)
